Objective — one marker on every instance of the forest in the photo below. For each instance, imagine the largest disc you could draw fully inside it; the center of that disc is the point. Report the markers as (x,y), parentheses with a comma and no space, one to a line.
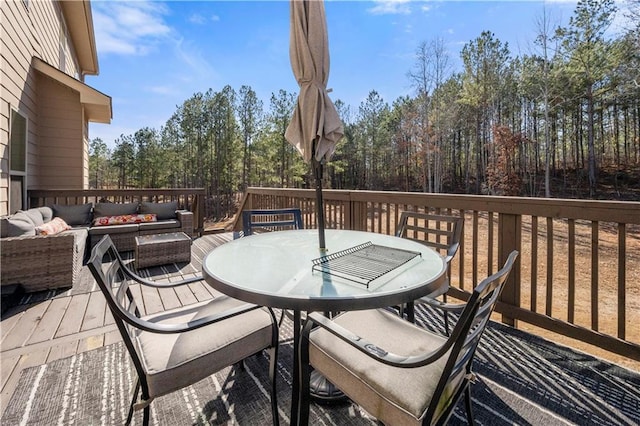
(563,121)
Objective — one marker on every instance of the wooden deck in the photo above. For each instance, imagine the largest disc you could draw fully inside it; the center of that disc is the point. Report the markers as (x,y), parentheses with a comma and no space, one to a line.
(46,327)
(51,326)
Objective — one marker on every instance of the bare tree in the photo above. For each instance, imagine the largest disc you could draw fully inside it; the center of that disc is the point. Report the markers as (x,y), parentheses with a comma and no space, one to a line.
(431,69)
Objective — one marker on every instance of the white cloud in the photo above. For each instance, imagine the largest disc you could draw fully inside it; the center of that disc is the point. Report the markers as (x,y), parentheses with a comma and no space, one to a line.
(164,90)
(391,7)
(193,59)
(129,28)
(197,19)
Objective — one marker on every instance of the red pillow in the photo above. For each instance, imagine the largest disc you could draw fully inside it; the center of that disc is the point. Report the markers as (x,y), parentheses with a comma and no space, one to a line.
(124,219)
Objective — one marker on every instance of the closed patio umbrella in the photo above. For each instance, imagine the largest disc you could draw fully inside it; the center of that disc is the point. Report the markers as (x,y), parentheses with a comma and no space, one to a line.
(315,127)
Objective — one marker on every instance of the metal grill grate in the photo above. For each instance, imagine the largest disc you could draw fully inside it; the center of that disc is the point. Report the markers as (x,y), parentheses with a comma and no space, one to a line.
(363,263)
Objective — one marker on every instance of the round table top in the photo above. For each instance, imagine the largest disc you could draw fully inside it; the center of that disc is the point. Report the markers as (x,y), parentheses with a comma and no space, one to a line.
(275,269)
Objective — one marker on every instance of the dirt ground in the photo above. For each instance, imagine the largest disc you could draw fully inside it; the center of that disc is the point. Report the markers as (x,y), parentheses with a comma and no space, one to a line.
(604,281)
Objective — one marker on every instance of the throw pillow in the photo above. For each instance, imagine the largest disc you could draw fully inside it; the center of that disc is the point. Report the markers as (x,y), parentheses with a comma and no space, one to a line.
(164,211)
(74,214)
(55,226)
(114,209)
(124,219)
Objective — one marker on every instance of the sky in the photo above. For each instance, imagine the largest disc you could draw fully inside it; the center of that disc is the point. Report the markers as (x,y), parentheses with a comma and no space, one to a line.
(154,55)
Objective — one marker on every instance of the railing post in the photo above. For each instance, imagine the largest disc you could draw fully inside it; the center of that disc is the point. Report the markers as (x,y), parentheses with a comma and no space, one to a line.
(200,213)
(358,211)
(509,239)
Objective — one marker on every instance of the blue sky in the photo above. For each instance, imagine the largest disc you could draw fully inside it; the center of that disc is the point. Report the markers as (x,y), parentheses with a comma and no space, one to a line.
(154,55)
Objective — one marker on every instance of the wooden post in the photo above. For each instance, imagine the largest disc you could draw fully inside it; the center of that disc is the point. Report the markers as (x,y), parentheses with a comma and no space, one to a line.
(509,239)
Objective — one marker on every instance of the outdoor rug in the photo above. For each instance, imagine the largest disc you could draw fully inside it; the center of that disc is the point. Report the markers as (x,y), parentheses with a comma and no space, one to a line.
(524,380)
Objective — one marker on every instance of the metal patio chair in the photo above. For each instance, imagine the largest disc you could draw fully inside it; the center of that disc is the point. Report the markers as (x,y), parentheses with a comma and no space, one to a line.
(265,220)
(268,220)
(442,233)
(397,371)
(178,347)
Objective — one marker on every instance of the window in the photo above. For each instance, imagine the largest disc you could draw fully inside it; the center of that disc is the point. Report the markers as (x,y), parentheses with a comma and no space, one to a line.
(17,162)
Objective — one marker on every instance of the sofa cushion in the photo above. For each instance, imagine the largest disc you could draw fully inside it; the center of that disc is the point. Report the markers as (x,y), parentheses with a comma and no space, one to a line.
(73,214)
(54,226)
(35,215)
(47,213)
(164,211)
(123,219)
(165,224)
(114,229)
(114,209)
(19,225)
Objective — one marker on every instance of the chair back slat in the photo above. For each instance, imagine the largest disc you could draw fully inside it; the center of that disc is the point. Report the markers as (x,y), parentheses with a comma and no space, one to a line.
(467,334)
(441,232)
(267,220)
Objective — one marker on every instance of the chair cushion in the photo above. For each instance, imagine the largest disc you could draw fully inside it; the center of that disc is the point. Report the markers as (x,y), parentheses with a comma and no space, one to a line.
(164,211)
(74,214)
(172,361)
(393,395)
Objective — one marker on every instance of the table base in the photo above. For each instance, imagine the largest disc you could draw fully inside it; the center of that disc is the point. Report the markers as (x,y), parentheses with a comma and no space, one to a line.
(324,391)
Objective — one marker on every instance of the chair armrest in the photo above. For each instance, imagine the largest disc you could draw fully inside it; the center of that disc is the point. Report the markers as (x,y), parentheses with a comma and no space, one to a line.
(368,348)
(153,327)
(156,284)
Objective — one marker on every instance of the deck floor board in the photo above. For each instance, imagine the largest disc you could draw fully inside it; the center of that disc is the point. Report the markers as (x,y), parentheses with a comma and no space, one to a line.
(50,321)
(95,312)
(74,316)
(29,323)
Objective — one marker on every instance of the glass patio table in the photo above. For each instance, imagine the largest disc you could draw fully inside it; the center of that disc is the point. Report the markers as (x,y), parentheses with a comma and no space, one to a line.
(287,270)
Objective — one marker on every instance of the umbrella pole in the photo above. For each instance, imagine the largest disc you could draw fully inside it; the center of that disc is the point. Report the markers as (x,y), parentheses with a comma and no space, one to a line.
(317,168)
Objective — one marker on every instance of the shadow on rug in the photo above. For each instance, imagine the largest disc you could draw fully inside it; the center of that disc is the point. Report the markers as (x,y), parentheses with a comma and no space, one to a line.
(523,380)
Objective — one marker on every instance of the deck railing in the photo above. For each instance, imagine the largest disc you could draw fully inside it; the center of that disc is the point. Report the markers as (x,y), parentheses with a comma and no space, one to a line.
(191,199)
(578,273)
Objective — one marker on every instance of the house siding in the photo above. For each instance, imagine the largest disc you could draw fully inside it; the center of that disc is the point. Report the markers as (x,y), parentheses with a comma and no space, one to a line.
(57,138)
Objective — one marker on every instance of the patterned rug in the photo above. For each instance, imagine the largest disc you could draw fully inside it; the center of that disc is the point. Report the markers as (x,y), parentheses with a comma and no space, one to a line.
(524,380)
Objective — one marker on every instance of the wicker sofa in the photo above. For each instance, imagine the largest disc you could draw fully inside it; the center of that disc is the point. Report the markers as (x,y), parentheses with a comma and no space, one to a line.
(40,262)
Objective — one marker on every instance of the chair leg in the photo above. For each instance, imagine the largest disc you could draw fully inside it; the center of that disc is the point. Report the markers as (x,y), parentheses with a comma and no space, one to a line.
(133,401)
(145,416)
(305,373)
(445,314)
(273,362)
(467,401)
(411,312)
